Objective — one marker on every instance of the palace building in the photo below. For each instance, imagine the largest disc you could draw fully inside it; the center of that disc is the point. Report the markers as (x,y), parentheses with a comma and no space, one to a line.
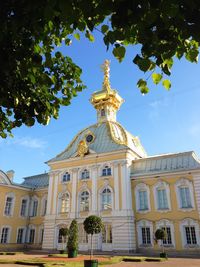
(105,171)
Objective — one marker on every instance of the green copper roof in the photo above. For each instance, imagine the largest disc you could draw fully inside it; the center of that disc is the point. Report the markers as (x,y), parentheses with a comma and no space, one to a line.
(108,137)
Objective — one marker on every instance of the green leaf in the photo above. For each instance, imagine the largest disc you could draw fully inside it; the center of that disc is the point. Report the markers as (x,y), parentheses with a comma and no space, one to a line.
(156,77)
(192,55)
(166,84)
(141,83)
(104,28)
(119,52)
(89,36)
(77,36)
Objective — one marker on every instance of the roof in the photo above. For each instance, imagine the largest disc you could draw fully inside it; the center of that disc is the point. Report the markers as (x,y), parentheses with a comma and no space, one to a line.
(165,163)
(108,136)
(36,181)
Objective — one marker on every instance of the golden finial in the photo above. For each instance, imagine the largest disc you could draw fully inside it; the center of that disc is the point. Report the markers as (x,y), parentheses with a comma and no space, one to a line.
(106,69)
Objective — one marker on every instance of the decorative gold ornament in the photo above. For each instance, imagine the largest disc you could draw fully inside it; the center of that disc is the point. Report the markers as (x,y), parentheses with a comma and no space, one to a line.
(106,69)
(82,149)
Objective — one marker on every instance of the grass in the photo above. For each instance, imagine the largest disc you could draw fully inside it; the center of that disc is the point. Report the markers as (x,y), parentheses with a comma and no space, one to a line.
(42,262)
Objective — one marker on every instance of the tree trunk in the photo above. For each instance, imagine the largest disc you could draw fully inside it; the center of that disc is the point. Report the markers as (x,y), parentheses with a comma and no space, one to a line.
(91,251)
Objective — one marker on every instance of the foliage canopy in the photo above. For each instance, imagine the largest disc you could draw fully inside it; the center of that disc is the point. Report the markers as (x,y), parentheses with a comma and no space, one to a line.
(35,80)
(72,243)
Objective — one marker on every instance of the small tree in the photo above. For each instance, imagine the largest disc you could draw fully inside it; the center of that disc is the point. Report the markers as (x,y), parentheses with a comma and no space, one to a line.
(63,232)
(92,225)
(161,234)
(72,243)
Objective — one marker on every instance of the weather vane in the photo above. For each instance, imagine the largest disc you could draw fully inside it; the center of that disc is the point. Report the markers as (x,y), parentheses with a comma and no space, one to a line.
(106,69)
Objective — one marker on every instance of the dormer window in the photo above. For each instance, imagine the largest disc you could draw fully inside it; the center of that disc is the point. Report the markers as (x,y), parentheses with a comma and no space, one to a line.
(85,174)
(103,113)
(106,171)
(66,177)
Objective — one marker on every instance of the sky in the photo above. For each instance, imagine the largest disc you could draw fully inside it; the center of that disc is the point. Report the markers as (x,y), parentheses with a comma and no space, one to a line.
(165,121)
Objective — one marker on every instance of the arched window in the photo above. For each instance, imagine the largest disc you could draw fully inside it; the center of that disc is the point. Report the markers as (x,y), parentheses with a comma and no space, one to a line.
(106,171)
(84,201)
(64,203)
(66,177)
(62,239)
(85,174)
(106,198)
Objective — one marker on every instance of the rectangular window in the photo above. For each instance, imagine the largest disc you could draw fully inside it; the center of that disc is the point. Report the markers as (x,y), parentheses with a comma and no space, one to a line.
(45,207)
(8,207)
(107,234)
(82,236)
(32,236)
(34,210)
(20,236)
(41,235)
(185,197)
(143,203)
(146,235)
(168,239)
(190,234)
(23,207)
(4,235)
(162,199)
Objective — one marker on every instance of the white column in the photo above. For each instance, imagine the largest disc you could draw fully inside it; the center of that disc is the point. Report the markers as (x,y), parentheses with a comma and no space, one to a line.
(94,188)
(116,185)
(55,193)
(74,185)
(49,198)
(196,179)
(126,186)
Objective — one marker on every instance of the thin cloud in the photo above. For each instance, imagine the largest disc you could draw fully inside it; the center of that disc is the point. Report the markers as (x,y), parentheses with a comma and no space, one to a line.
(28,142)
(155,107)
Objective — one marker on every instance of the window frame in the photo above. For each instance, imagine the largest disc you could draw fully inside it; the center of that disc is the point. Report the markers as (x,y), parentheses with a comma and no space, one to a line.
(2,238)
(185,183)
(107,234)
(12,196)
(84,174)
(23,235)
(167,224)
(67,203)
(188,222)
(110,194)
(162,185)
(144,224)
(139,188)
(80,203)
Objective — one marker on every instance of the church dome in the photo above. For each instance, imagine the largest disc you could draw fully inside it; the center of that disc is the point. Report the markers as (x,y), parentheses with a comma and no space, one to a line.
(107,135)
(102,138)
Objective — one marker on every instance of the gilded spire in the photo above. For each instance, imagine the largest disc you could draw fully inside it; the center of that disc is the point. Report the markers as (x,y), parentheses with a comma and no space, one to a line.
(106,69)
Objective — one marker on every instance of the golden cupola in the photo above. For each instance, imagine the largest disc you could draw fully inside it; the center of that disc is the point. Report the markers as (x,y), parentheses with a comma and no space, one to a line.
(107,101)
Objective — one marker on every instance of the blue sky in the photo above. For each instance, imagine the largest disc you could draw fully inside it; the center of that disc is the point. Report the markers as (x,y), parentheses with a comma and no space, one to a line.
(165,122)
